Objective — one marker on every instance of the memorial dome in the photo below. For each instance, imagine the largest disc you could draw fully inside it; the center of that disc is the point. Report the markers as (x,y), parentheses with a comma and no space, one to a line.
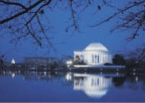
(96,47)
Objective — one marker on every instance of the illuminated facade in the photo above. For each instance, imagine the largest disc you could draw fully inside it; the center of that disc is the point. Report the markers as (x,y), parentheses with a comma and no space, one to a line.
(13,61)
(94,54)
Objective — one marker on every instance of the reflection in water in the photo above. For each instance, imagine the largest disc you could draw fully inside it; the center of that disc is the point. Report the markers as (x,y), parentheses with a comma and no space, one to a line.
(35,76)
(13,75)
(118,81)
(90,85)
(68,77)
(93,86)
(136,78)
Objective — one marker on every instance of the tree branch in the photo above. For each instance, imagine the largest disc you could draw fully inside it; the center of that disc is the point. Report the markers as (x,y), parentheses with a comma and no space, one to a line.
(34,36)
(22,12)
(13,3)
(117,13)
(73,17)
(130,21)
(35,13)
(46,37)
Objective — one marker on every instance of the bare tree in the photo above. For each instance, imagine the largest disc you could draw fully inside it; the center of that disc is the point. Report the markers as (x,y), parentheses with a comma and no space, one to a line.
(138,55)
(22,18)
(131,16)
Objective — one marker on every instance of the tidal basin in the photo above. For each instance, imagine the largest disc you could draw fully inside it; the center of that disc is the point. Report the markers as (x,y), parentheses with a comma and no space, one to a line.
(53,86)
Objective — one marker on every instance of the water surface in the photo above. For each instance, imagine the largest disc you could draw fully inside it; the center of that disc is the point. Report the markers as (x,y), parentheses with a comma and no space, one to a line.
(71,87)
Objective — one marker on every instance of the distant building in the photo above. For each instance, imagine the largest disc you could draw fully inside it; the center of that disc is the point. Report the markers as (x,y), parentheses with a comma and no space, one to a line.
(69,62)
(39,60)
(13,61)
(94,54)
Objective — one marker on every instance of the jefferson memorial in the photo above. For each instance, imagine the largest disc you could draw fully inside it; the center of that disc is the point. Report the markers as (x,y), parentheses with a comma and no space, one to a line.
(94,54)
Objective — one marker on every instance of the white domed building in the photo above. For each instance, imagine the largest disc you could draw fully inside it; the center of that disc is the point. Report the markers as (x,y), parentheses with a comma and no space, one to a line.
(94,54)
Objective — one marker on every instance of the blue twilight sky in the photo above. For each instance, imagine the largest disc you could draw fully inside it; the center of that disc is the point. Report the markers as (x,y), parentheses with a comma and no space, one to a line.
(59,20)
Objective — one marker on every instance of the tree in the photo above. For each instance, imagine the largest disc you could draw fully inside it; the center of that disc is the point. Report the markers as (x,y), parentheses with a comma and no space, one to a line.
(118,81)
(118,60)
(131,63)
(1,61)
(78,61)
(136,57)
(23,17)
(77,58)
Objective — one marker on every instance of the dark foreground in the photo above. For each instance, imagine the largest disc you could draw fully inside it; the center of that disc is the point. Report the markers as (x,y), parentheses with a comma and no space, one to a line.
(63,86)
